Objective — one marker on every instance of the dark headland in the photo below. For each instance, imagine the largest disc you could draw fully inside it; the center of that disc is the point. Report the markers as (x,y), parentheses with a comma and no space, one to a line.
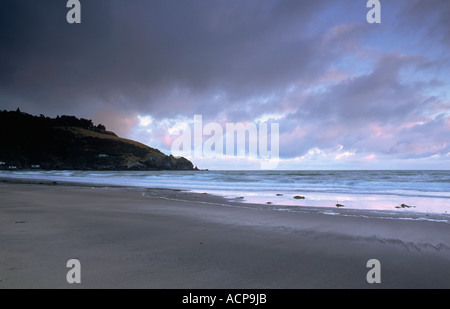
(69,143)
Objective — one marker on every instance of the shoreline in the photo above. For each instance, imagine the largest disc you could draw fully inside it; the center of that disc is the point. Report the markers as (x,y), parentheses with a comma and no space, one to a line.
(127,237)
(380,191)
(189,196)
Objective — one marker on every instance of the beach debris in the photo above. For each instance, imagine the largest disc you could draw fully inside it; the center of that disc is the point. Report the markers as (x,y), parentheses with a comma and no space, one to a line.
(404,206)
(339,205)
(279,194)
(240,197)
(299,197)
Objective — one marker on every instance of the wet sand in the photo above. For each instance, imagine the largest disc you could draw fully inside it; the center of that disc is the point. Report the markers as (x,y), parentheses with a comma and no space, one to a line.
(155,238)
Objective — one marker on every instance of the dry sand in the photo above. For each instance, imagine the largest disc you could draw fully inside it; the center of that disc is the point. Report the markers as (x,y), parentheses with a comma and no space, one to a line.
(150,238)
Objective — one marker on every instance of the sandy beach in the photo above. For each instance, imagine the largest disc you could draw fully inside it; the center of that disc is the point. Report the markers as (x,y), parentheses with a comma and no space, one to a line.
(154,238)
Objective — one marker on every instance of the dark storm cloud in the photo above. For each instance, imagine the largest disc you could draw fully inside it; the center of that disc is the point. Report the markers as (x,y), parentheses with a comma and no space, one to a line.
(135,55)
(46,63)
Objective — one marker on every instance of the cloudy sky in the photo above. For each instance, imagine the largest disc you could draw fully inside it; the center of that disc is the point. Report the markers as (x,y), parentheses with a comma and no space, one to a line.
(346,94)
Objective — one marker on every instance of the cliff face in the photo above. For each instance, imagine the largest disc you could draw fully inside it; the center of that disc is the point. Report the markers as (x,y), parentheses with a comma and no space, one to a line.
(66,142)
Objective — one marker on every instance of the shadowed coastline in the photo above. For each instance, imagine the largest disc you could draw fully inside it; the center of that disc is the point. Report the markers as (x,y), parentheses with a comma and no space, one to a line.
(69,143)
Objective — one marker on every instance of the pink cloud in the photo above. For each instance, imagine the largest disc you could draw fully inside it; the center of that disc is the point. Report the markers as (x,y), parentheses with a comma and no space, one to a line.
(120,123)
(368,158)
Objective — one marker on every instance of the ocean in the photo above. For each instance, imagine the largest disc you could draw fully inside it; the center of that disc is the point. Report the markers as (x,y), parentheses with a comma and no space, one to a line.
(398,191)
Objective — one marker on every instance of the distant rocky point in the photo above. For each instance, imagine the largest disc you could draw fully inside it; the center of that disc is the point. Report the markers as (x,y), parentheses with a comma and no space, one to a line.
(69,143)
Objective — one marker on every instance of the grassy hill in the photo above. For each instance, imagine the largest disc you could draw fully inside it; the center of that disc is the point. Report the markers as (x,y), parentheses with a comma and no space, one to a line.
(67,142)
